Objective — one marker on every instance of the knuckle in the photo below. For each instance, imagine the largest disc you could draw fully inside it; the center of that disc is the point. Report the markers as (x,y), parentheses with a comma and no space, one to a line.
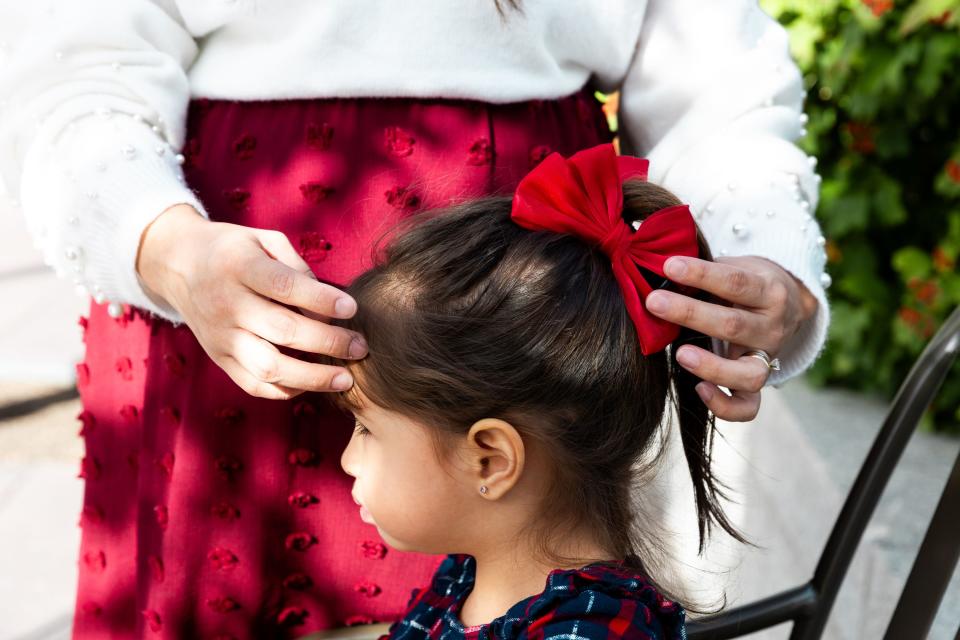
(272,392)
(266,371)
(758,379)
(687,313)
(225,253)
(262,390)
(284,328)
(218,301)
(733,324)
(697,270)
(777,293)
(738,282)
(778,334)
(323,299)
(281,283)
(333,344)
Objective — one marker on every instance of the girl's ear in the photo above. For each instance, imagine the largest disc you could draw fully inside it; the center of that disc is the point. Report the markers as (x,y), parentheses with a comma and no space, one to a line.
(496,457)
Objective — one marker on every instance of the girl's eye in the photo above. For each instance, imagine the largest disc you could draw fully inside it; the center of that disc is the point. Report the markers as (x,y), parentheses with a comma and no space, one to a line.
(359,429)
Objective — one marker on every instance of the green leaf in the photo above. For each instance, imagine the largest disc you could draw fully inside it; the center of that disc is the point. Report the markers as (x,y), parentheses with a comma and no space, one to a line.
(911,262)
(846,213)
(892,142)
(887,203)
(922,11)
(938,62)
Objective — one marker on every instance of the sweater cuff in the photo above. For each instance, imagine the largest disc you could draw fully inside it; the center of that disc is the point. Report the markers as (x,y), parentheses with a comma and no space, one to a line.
(96,189)
(774,221)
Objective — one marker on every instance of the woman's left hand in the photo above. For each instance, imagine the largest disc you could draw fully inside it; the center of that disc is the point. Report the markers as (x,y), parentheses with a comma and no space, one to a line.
(768,306)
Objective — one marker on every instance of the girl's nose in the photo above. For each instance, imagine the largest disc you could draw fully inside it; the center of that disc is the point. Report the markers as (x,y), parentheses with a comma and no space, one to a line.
(348,458)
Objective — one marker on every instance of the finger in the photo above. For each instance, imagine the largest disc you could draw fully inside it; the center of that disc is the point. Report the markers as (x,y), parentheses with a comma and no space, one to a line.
(255,387)
(281,326)
(265,363)
(277,281)
(725,323)
(740,406)
(278,246)
(745,373)
(728,282)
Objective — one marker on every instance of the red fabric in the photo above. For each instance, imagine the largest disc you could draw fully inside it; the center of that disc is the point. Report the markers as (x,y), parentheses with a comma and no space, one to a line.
(207,512)
(583,196)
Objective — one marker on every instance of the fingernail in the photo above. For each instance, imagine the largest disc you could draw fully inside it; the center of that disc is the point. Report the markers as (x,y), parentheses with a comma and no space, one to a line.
(675,267)
(343,382)
(656,303)
(345,306)
(704,392)
(358,348)
(688,357)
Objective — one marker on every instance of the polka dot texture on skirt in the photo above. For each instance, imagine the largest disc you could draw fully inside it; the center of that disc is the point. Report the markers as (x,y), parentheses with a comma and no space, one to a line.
(209,513)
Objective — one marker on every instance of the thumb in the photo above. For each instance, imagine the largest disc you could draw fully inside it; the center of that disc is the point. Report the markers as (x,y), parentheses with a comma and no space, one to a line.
(278,247)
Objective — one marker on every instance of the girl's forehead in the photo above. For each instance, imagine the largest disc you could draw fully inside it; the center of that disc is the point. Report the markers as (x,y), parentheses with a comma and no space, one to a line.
(362,404)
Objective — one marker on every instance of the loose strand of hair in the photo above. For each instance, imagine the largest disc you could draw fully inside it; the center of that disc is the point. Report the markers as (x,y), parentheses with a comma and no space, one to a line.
(697,428)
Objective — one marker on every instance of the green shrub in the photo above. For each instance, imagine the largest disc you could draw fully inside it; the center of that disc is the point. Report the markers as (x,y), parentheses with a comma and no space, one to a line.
(883,97)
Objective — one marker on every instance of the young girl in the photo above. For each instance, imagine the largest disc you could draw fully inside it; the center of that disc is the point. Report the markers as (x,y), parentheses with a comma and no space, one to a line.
(513,391)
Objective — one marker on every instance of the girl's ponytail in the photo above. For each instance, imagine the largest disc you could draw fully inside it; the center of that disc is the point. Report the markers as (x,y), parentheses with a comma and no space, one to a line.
(697,428)
(697,424)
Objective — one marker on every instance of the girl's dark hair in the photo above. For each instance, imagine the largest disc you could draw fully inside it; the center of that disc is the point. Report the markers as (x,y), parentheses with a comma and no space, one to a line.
(468,316)
(514,4)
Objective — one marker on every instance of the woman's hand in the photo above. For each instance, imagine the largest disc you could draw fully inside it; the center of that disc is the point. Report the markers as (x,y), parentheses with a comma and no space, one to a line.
(230,283)
(768,306)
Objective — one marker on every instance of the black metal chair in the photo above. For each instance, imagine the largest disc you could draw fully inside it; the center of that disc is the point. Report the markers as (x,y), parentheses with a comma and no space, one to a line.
(808,606)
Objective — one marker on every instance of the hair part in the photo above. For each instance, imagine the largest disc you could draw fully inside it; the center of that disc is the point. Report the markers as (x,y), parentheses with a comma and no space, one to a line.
(468,316)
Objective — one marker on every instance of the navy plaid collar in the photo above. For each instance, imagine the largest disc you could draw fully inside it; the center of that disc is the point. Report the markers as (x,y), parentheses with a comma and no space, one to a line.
(614,595)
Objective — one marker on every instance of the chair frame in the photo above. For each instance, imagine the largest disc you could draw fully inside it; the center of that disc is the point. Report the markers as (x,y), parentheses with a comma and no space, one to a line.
(808,606)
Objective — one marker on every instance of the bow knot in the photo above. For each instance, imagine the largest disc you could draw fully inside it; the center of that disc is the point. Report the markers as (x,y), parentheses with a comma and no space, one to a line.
(617,239)
(583,196)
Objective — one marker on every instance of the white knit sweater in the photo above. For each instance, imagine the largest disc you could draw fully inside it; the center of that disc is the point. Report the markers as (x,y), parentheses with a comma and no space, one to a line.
(93,99)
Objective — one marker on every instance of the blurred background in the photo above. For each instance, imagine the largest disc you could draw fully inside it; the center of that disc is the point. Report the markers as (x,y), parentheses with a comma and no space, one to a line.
(883,99)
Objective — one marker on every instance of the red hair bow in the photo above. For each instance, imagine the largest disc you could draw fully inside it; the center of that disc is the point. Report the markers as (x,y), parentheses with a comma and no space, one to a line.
(583,196)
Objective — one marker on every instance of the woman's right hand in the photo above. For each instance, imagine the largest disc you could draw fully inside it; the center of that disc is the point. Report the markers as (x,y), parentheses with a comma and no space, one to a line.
(230,283)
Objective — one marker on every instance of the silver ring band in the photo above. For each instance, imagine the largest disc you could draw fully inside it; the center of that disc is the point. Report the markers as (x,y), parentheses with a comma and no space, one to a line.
(763,355)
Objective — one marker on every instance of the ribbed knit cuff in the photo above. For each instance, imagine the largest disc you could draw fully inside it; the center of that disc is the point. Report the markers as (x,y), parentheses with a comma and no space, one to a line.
(96,189)
(772,222)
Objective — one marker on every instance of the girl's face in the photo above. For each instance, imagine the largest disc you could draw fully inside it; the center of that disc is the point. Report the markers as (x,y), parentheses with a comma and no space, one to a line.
(417,502)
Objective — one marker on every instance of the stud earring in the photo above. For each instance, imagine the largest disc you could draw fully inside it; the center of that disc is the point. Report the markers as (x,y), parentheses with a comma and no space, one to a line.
(483,489)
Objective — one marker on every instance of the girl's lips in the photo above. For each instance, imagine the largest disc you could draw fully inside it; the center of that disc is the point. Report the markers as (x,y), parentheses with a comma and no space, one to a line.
(364,514)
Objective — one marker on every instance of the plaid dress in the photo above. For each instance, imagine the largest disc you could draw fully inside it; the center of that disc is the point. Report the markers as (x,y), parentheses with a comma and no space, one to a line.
(598,601)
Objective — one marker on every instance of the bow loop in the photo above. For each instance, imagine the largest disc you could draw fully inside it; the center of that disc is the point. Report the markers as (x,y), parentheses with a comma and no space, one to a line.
(583,196)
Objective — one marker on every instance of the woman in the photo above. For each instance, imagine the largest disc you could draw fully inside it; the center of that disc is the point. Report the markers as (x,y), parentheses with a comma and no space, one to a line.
(210,170)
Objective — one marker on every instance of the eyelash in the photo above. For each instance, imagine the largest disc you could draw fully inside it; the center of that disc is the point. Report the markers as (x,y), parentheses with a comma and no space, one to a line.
(359,429)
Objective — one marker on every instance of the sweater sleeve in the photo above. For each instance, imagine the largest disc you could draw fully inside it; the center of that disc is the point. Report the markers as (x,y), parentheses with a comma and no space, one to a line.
(93,117)
(714,100)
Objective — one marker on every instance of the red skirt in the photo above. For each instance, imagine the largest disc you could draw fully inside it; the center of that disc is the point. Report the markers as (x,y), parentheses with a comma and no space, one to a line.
(211,513)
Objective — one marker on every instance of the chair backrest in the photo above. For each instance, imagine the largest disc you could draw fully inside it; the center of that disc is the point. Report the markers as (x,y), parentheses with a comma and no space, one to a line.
(808,606)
